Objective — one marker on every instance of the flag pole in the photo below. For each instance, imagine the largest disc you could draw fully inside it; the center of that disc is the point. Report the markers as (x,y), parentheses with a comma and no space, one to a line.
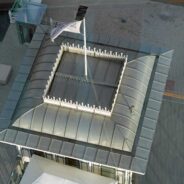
(85,51)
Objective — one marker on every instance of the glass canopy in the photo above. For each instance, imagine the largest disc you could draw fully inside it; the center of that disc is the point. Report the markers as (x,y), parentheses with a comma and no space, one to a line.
(30,13)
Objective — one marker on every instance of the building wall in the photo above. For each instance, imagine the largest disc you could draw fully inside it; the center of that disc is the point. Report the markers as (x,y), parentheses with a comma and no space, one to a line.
(123,177)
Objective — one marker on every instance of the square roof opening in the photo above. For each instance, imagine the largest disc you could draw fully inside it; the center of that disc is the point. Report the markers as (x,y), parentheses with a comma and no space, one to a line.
(68,85)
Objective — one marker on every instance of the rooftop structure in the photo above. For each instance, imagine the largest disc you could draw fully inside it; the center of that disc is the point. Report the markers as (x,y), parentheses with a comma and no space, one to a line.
(117,131)
(121,140)
(112,126)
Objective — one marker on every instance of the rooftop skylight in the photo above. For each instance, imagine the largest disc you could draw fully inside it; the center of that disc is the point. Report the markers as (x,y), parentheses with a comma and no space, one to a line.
(68,87)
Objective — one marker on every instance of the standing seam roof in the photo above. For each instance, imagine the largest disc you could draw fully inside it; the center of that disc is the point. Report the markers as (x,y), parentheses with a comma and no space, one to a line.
(116,132)
(83,150)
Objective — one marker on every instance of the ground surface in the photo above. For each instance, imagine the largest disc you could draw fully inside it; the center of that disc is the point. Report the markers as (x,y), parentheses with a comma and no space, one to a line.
(11,53)
(8,156)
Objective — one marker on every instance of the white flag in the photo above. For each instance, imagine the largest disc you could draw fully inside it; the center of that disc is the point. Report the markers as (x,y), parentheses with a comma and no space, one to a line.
(69,27)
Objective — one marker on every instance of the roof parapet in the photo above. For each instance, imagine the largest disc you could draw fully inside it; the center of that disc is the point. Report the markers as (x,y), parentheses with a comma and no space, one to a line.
(77,106)
(93,52)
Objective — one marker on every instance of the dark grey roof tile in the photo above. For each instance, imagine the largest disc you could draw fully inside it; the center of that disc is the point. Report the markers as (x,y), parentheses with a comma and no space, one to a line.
(114,159)
(90,153)
(32,141)
(102,156)
(138,165)
(67,148)
(21,138)
(10,136)
(125,162)
(55,146)
(44,143)
(78,151)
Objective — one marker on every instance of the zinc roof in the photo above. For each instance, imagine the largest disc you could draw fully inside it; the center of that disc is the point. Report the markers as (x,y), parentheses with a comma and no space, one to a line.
(122,140)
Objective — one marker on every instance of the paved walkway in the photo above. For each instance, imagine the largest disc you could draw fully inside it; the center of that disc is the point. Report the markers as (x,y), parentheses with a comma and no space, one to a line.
(11,53)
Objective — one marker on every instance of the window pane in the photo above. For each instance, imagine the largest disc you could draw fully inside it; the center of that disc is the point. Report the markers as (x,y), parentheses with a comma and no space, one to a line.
(84,166)
(108,172)
(72,162)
